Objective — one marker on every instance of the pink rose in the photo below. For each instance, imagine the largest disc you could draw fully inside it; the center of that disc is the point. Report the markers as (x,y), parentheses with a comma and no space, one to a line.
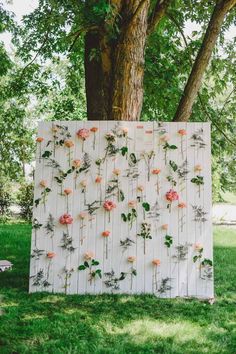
(156,262)
(172,195)
(198,246)
(132,204)
(182,205)
(108,205)
(83,133)
(182,132)
(89,255)
(66,219)
(106,233)
(131,259)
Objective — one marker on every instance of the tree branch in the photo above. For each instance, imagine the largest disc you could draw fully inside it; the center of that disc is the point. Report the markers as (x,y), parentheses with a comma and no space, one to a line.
(158,13)
(78,33)
(199,95)
(194,82)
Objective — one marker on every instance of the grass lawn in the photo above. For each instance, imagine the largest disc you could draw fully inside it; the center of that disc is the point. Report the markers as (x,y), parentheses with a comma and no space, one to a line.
(43,323)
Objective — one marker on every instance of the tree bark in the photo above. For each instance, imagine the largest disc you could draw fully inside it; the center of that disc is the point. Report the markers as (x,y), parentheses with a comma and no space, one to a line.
(114,68)
(192,87)
(128,70)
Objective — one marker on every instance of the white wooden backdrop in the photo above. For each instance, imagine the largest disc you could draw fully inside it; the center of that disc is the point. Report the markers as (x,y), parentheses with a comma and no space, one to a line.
(54,262)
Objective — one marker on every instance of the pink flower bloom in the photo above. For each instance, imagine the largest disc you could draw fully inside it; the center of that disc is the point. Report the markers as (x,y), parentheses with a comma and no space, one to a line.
(89,255)
(131,259)
(198,168)
(66,219)
(98,179)
(68,143)
(94,129)
(116,172)
(132,204)
(106,233)
(140,188)
(51,254)
(67,191)
(156,171)
(83,133)
(43,183)
(156,262)
(125,130)
(83,183)
(108,205)
(55,129)
(82,215)
(164,138)
(164,227)
(76,163)
(182,205)
(182,132)
(172,195)
(198,246)
(39,139)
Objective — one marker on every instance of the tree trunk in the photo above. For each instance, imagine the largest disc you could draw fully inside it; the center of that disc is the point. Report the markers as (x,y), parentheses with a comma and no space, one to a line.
(128,69)
(202,60)
(97,79)
(114,68)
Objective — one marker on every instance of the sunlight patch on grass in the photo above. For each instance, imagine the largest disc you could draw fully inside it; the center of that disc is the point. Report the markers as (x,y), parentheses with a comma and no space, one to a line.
(33,316)
(51,299)
(73,311)
(146,330)
(9,304)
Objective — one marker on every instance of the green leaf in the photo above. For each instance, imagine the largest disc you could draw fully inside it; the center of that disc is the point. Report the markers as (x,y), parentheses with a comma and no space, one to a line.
(195,258)
(124,150)
(121,195)
(173,147)
(94,263)
(173,165)
(81,267)
(86,264)
(47,154)
(37,201)
(124,217)
(146,206)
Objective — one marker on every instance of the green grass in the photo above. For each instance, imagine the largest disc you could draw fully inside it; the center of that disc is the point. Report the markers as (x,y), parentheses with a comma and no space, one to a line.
(43,323)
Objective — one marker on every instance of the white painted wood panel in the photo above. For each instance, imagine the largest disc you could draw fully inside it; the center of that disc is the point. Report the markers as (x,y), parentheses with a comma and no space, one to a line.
(80,247)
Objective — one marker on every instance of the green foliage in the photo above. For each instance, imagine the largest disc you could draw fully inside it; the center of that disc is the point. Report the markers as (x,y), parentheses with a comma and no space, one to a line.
(119,323)
(168,241)
(6,199)
(25,197)
(146,206)
(198,180)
